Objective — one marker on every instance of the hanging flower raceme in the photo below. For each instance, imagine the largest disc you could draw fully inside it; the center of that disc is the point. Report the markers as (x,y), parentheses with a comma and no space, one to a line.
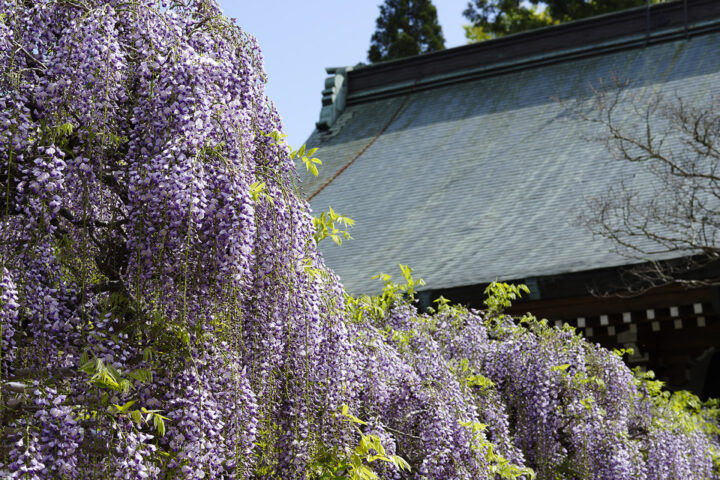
(141,277)
(8,319)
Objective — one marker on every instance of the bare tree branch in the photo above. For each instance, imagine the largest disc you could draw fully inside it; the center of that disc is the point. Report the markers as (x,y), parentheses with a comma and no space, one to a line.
(676,212)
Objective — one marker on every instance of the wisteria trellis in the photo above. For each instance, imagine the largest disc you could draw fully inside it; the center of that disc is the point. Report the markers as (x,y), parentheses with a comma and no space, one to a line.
(161,319)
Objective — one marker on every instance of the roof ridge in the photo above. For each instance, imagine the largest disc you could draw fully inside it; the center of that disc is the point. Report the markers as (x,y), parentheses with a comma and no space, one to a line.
(632,28)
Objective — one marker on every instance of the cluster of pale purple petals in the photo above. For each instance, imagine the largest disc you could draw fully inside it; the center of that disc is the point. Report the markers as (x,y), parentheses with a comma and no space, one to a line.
(548,399)
(165,313)
(8,319)
(46,445)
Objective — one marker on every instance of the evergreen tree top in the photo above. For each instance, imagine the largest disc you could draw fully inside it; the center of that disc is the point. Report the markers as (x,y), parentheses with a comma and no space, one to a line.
(405,28)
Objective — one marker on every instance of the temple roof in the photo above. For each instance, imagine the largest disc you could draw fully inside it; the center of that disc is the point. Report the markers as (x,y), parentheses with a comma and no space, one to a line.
(466,164)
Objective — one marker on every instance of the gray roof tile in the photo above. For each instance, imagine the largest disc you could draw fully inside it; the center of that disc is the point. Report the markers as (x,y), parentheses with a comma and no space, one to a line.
(482,180)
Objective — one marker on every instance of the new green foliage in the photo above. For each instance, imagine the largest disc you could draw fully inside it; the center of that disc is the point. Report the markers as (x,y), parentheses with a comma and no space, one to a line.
(330,224)
(354,463)
(496,18)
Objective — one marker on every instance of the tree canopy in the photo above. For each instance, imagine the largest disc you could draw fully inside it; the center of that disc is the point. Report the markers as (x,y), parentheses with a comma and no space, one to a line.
(495,18)
(405,28)
(165,313)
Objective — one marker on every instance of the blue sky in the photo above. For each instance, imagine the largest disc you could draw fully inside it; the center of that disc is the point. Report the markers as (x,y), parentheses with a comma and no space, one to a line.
(300,38)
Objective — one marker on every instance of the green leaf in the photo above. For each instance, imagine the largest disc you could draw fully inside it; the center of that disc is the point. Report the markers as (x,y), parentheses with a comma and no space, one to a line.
(147,354)
(257,189)
(125,407)
(136,416)
(400,462)
(125,385)
(89,366)
(160,424)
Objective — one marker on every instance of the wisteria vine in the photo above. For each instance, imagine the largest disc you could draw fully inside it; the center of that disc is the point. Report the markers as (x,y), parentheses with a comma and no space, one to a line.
(164,311)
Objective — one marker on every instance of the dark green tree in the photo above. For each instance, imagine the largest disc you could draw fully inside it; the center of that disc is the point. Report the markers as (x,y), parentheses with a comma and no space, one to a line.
(405,28)
(495,18)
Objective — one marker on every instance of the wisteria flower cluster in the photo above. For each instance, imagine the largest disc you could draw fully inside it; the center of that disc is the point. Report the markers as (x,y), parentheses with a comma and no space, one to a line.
(165,313)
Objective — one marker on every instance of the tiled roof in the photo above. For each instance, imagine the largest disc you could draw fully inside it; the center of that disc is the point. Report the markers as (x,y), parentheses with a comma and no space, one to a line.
(483,178)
